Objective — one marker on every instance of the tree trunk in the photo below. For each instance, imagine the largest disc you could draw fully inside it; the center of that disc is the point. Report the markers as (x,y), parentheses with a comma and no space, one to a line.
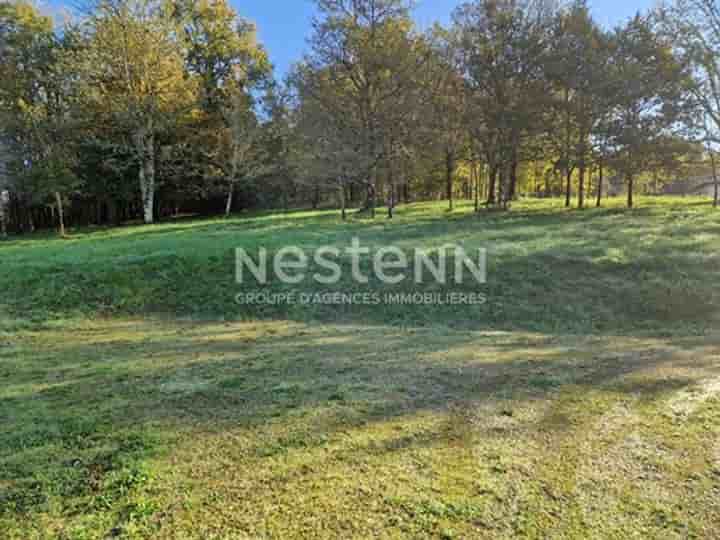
(230,196)
(61,214)
(316,197)
(371,195)
(503,186)
(581,187)
(508,186)
(548,187)
(391,195)
(600,186)
(492,188)
(631,182)
(568,187)
(500,187)
(343,202)
(233,179)
(476,185)
(4,213)
(449,170)
(390,188)
(512,190)
(145,147)
(716,184)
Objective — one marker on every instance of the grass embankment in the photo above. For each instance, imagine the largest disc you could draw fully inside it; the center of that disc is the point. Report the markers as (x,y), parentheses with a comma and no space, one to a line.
(581,401)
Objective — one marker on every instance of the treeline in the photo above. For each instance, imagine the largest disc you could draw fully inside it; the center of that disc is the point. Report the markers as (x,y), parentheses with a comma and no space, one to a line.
(144,109)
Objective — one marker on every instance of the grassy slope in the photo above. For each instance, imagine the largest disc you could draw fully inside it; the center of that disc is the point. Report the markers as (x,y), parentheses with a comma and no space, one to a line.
(138,400)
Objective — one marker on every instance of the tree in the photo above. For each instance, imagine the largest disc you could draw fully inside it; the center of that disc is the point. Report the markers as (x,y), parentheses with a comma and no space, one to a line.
(646,90)
(37,99)
(504,45)
(693,27)
(446,95)
(577,65)
(224,54)
(134,79)
(327,153)
(149,107)
(360,71)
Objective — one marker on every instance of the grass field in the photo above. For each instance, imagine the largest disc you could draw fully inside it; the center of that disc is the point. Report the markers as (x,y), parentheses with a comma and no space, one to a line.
(138,400)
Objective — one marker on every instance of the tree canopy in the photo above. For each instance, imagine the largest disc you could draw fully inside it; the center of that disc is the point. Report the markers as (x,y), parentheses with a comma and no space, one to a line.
(144,109)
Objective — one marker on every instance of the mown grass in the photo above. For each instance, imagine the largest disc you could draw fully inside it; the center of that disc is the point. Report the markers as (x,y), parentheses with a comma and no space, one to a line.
(138,400)
(550,270)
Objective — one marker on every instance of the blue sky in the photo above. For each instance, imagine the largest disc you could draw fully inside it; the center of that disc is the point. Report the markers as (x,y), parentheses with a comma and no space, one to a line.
(284,24)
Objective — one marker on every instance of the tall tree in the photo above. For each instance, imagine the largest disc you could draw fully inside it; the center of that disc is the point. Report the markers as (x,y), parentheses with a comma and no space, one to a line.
(134,79)
(447,127)
(646,90)
(577,65)
(504,45)
(37,98)
(232,67)
(693,26)
(363,61)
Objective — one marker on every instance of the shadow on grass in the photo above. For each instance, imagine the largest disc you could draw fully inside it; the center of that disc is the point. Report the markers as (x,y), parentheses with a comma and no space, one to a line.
(83,418)
(549,271)
(217,376)
(580,304)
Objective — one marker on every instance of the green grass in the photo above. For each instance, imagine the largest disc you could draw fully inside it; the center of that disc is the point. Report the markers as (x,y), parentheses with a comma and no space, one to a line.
(138,400)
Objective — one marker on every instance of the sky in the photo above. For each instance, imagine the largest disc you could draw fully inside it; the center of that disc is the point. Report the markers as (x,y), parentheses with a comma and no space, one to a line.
(283,25)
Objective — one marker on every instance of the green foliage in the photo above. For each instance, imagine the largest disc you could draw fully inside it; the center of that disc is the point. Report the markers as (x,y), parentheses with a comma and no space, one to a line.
(649,83)
(170,107)
(37,103)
